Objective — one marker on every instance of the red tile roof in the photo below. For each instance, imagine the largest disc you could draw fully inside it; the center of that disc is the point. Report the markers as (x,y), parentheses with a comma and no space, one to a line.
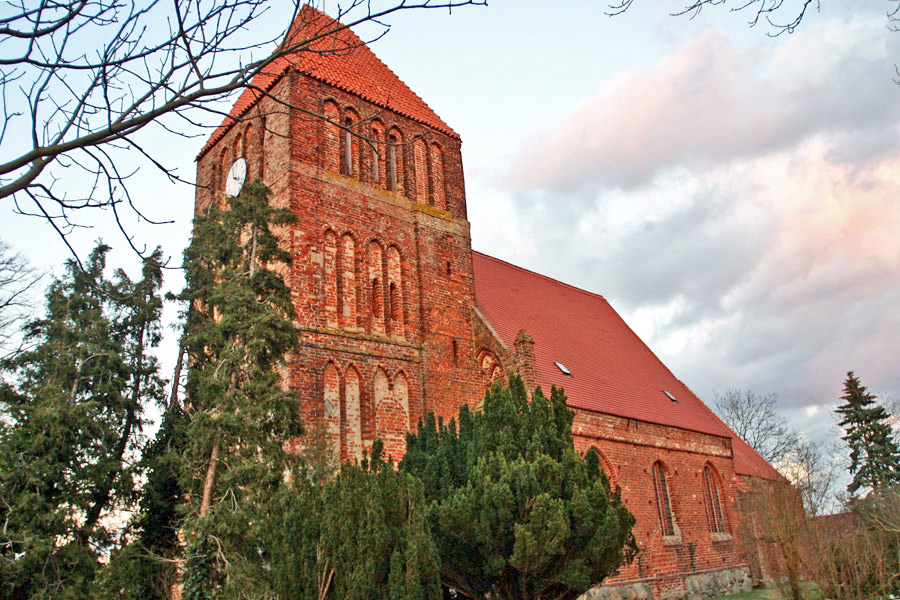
(613,371)
(339,58)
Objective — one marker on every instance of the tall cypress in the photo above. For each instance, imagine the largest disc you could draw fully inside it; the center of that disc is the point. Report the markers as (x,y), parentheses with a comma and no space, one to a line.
(71,422)
(239,418)
(874,453)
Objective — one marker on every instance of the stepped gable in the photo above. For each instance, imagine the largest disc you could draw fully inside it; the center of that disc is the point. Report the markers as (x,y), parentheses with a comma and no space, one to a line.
(613,371)
(338,57)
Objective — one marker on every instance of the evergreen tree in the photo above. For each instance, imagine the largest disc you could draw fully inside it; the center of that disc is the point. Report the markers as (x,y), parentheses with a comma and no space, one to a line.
(361,536)
(71,421)
(515,512)
(145,568)
(874,453)
(239,418)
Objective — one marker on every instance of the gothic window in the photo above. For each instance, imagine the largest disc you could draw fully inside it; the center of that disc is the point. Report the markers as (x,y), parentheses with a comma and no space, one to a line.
(714,515)
(332,407)
(353,414)
(392,411)
(605,466)
(329,259)
(491,369)
(238,146)
(376,287)
(377,149)
(395,161)
(401,395)
(663,504)
(332,138)
(348,281)
(349,144)
(395,291)
(437,177)
(420,157)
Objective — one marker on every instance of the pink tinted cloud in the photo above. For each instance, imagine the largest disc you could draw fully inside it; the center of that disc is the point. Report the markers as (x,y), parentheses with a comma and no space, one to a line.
(710,101)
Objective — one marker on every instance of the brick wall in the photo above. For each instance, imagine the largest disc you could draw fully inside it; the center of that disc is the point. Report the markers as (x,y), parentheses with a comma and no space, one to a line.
(382,274)
(383,290)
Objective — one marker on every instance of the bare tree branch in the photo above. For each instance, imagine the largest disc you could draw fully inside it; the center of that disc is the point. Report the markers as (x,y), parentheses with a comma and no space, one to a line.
(780,16)
(17,279)
(80,80)
(756,420)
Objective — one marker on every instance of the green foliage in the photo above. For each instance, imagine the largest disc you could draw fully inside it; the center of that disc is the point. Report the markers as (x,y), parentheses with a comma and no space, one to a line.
(240,419)
(362,536)
(145,568)
(515,512)
(874,454)
(71,419)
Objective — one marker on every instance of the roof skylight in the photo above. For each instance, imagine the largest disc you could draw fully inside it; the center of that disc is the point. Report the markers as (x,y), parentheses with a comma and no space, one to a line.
(670,396)
(564,369)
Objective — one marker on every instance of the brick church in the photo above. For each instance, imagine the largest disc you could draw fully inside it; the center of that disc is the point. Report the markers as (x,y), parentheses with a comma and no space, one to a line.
(399,316)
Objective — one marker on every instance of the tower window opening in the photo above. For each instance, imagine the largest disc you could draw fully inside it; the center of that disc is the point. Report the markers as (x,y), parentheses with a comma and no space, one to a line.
(376,171)
(348,148)
(392,164)
(663,504)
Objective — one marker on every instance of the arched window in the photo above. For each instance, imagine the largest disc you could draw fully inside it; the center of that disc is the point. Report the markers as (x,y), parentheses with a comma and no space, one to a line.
(332,138)
(377,151)
(663,504)
(605,466)
(491,369)
(331,279)
(401,394)
(353,415)
(395,291)
(420,157)
(349,144)
(395,161)
(348,281)
(376,287)
(332,407)
(714,515)
(437,177)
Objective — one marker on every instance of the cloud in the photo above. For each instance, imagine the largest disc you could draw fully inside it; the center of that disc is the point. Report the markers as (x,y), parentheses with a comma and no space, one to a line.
(739,207)
(710,101)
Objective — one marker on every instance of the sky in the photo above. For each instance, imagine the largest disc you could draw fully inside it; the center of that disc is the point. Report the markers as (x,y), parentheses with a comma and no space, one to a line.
(735,196)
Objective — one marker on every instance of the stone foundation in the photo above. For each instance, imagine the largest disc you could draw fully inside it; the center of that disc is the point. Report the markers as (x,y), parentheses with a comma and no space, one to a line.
(692,586)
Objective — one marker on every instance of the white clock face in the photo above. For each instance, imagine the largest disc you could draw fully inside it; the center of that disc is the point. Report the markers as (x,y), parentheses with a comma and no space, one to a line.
(236,176)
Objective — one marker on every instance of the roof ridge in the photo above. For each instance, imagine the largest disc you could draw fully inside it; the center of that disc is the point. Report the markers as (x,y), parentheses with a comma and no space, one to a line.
(542,276)
(400,98)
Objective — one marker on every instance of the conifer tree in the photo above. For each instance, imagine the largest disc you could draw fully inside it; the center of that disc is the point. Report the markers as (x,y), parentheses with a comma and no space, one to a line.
(515,512)
(71,419)
(360,536)
(874,453)
(239,417)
